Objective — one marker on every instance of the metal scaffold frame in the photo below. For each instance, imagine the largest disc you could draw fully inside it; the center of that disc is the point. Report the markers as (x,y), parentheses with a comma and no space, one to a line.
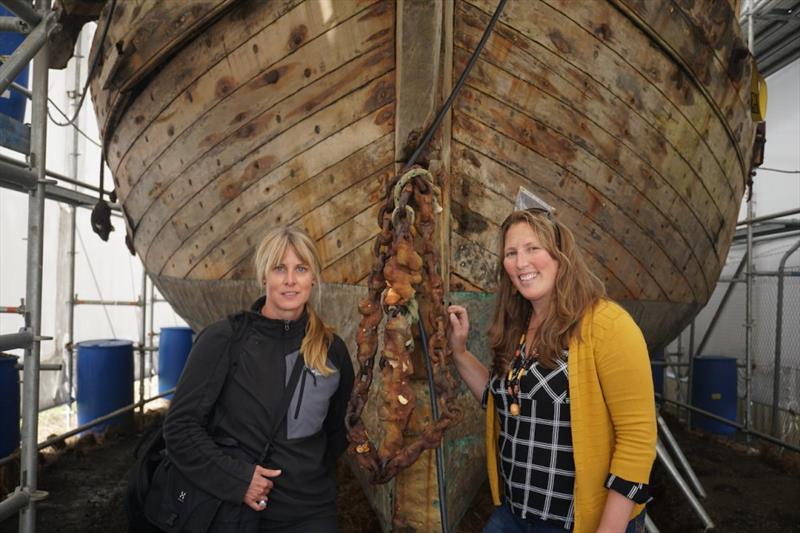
(745,273)
(34,179)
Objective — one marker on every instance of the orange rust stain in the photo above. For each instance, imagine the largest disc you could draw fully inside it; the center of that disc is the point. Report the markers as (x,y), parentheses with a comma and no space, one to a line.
(471,157)
(224,86)
(238,118)
(382,93)
(155,189)
(604,32)
(211,140)
(377,36)
(230,191)
(377,11)
(298,36)
(595,206)
(246,131)
(271,77)
(560,42)
(384,116)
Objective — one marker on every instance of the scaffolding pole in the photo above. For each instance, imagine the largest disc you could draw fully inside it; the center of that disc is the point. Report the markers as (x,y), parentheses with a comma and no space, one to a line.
(33,285)
(73,215)
(14,25)
(690,377)
(750,267)
(83,427)
(666,460)
(24,10)
(151,333)
(142,339)
(676,449)
(33,44)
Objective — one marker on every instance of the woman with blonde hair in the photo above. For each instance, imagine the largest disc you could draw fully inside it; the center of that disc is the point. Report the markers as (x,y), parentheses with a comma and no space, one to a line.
(570,407)
(257,421)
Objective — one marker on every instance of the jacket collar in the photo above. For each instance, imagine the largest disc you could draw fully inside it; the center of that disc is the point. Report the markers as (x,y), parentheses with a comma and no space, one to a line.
(276,327)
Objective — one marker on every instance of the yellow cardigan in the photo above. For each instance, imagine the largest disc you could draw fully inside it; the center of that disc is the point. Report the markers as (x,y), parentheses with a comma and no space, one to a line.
(612,411)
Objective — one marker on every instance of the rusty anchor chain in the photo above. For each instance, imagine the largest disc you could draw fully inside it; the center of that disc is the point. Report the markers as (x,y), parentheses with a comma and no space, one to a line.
(405,266)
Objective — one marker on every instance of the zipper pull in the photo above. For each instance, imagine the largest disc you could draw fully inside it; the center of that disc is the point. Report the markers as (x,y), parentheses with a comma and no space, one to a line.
(285,325)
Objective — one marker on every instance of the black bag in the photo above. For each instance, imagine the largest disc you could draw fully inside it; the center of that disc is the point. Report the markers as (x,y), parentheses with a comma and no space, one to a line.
(148,454)
(169,500)
(176,505)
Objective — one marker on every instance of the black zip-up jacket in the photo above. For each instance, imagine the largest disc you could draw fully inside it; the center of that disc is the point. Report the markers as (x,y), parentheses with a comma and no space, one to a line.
(224,406)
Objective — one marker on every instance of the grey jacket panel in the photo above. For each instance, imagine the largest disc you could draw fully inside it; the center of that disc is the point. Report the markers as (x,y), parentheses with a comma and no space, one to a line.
(312,397)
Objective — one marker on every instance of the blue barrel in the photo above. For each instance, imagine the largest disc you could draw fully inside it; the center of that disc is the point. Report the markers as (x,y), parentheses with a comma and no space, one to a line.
(12,103)
(714,390)
(9,405)
(105,381)
(658,371)
(174,345)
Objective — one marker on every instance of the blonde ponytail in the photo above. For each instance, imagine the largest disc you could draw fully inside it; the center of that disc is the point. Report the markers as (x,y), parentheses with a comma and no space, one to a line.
(316,342)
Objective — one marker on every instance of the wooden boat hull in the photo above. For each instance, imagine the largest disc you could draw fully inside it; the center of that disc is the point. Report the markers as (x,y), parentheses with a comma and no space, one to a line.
(222,118)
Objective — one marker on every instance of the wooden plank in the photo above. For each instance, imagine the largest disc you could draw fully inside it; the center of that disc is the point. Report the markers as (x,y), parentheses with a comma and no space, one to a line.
(458,283)
(247,18)
(631,113)
(163,28)
(718,26)
(472,262)
(185,253)
(662,206)
(352,267)
(485,188)
(173,183)
(443,228)
(418,61)
(683,107)
(595,102)
(201,252)
(254,65)
(638,227)
(583,207)
(325,218)
(340,207)
(344,239)
(688,42)
(263,176)
(683,90)
(472,215)
(123,17)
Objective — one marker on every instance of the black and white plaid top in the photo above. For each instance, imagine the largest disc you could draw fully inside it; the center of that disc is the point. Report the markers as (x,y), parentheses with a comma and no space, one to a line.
(535,448)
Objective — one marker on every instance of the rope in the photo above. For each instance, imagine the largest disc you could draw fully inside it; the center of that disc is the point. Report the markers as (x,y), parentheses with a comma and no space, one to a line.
(95,61)
(83,133)
(781,171)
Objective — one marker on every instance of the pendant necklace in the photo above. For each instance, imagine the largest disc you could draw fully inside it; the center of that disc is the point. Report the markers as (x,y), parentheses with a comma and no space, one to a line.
(519,367)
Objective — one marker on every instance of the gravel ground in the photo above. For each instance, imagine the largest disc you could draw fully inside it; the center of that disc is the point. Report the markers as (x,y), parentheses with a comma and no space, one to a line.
(749,490)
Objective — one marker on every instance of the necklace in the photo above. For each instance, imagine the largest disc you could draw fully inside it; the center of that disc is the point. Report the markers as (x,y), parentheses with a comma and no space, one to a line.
(517,370)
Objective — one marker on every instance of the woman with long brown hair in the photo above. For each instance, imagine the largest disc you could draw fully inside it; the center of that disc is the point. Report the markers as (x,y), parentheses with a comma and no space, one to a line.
(257,421)
(569,397)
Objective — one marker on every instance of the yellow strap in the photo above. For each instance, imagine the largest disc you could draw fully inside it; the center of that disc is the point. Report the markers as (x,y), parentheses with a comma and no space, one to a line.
(492,433)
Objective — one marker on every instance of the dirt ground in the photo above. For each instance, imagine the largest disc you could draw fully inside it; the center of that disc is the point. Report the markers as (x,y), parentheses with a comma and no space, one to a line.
(749,490)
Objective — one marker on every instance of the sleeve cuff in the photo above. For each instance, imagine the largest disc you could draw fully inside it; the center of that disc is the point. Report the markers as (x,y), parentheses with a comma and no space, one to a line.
(638,492)
(485,397)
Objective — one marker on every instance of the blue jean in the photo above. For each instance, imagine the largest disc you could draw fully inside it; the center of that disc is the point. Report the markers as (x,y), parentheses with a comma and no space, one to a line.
(504,521)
